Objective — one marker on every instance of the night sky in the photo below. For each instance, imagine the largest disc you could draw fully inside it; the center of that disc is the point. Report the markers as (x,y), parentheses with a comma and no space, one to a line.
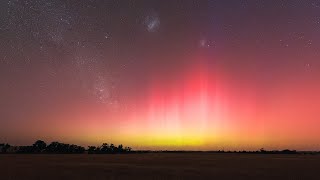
(154,74)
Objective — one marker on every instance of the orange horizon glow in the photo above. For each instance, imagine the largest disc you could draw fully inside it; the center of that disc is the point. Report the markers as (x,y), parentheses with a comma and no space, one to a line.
(201,110)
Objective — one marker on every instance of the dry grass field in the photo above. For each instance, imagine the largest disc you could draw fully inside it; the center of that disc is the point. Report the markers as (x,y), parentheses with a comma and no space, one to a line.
(159,166)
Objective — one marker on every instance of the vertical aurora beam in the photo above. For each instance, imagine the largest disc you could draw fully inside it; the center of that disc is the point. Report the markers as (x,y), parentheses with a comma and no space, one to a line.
(182,110)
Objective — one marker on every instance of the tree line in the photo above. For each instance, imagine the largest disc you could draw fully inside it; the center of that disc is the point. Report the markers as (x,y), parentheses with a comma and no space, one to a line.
(61,148)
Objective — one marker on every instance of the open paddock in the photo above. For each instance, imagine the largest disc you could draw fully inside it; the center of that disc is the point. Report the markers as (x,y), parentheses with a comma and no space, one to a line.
(159,166)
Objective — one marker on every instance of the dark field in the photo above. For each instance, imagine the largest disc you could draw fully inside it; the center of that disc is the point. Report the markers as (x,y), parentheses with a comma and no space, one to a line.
(160,166)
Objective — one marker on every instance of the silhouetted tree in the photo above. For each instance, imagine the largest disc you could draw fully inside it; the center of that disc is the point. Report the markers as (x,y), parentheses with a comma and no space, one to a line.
(105,148)
(91,149)
(53,147)
(112,148)
(127,149)
(120,148)
(39,146)
(4,147)
(1,147)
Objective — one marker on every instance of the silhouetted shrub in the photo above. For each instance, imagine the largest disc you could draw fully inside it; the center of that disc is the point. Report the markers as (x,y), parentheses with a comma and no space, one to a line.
(105,148)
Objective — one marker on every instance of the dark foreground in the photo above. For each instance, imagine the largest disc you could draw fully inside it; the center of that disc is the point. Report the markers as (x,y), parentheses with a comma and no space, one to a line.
(160,166)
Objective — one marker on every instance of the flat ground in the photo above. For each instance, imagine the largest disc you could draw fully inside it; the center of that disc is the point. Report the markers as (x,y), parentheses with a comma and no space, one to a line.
(160,166)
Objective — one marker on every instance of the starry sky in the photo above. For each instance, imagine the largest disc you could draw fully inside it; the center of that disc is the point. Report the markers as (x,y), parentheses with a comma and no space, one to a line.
(152,74)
